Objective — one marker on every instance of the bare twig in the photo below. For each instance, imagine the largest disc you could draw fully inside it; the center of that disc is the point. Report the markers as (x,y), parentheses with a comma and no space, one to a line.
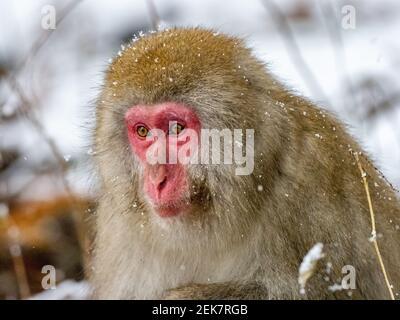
(44,37)
(293,49)
(27,105)
(17,258)
(28,111)
(336,39)
(40,42)
(153,14)
(373,226)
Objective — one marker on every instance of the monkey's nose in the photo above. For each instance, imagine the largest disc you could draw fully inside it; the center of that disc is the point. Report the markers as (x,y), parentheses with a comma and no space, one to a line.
(158,177)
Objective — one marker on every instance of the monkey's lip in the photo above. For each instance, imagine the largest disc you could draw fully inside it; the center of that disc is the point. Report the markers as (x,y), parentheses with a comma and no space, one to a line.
(171,209)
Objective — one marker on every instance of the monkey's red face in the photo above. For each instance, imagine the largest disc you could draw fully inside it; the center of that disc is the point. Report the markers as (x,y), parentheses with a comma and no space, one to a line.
(165,183)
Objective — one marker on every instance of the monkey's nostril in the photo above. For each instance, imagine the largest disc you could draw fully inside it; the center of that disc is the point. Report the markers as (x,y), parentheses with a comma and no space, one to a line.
(162,184)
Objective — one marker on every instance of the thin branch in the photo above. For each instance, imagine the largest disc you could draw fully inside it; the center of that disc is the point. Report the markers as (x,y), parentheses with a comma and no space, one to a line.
(293,49)
(13,82)
(46,34)
(41,41)
(335,36)
(17,258)
(373,226)
(153,14)
(28,111)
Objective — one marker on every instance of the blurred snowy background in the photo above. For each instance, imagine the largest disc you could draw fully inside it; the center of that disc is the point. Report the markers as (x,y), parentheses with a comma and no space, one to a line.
(49,78)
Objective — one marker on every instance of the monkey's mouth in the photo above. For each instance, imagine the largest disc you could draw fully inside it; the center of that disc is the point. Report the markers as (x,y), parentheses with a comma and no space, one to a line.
(172,209)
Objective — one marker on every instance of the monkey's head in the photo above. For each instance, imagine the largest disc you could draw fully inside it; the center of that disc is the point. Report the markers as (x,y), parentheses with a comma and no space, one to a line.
(160,93)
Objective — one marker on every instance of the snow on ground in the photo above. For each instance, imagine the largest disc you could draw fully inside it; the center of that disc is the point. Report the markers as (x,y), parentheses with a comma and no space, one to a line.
(66,290)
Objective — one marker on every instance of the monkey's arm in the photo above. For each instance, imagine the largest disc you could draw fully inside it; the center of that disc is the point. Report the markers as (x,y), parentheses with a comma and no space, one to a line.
(215,291)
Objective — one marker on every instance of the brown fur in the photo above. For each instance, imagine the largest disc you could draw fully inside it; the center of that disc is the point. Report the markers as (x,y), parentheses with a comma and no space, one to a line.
(240,242)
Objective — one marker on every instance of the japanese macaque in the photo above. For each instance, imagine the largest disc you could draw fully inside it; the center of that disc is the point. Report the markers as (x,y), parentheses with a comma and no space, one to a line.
(183,230)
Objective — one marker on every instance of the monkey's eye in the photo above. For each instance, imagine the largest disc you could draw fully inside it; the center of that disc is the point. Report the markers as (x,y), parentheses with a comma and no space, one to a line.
(176,128)
(142,131)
